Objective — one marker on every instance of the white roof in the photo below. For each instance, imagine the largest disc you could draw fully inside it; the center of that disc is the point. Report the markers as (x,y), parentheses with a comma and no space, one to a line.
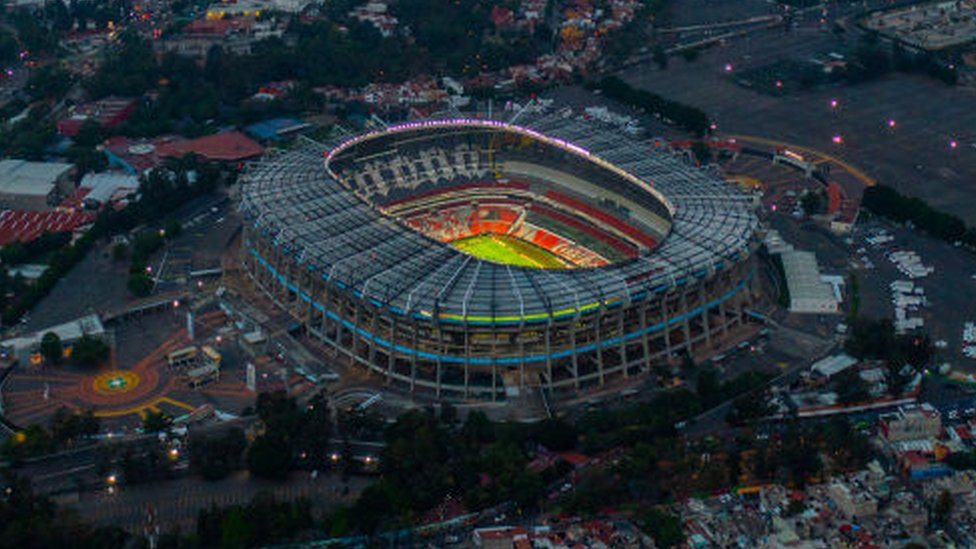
(69,331)
(833,365)
(30,178)
(104,185)
(808,292)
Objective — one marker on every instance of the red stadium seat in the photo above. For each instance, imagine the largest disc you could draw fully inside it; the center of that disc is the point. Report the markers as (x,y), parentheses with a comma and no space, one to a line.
(603,217)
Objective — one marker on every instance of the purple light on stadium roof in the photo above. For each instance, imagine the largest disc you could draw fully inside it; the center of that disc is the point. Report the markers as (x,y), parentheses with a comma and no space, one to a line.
(407,126)
(453,122)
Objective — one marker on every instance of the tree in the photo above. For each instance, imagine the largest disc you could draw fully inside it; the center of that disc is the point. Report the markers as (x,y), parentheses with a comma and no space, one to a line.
(234,530)
(708,388)
(51,348)
(173,229)
(943,507)
(555,434)
(30,520)
(89,351)
(664,527)
(269,457)
(448,414)
(701,152)
(811,203)
(140,284)
(66,425)
(660,57)
(215,456)
(120,252)
(850,387)
(154,422)
(750,407)
(89,134)
(280,413)
(315,433)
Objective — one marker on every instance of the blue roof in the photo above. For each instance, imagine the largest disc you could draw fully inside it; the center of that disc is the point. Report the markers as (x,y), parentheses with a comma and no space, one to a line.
(274,128)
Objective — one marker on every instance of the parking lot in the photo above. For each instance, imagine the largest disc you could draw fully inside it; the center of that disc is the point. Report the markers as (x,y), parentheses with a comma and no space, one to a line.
(914,156)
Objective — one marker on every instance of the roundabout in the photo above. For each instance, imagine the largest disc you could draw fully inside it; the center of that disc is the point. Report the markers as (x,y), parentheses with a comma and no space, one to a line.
(115,382)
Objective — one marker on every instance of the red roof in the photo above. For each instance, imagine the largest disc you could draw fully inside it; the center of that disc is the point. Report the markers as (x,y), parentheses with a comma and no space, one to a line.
(25,226)
(107,113)
(574,458)
(834,196)
(225,147)
(75,200)
(216,26)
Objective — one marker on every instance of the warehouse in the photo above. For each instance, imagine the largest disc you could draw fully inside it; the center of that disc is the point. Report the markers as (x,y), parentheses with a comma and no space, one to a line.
(34,186)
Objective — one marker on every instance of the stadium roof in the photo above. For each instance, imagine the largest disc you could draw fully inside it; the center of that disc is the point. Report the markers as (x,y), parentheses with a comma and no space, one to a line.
(293,201)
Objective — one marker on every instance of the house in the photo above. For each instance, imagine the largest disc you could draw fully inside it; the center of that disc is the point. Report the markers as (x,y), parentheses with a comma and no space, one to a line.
(108,113)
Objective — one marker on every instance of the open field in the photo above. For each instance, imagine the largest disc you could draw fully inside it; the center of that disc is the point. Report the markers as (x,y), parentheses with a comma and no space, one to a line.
(508,250)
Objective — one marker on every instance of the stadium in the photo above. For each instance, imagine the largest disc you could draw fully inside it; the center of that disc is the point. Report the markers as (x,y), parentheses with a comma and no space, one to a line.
(486,258)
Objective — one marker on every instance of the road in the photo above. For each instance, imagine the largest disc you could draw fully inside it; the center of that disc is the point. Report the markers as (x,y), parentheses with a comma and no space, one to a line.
(177,502)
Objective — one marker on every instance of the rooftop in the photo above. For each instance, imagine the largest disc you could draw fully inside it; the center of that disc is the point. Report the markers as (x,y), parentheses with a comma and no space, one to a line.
(223,147)
(30,178)
(25,226)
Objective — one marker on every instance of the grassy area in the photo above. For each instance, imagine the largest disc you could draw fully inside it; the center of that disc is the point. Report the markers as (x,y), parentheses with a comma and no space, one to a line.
(508,250)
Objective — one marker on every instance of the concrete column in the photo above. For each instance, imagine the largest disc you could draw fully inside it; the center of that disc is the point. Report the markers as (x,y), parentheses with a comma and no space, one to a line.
(599,340)
(549,354)
(413,356)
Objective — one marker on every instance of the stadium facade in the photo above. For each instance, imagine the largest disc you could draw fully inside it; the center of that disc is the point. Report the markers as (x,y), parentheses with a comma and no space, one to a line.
(354,237)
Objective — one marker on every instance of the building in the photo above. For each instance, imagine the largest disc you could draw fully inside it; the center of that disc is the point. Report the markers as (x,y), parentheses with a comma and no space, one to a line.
(276,129)
(930,26)
(808,292)
(134,156)
(499,537)
(227,147)
(108,113)
(106,187)
(853,502)
(34,186)
(230,35)
(24,226)
(912,422)
(26,349)
(646,274)
(253,8)
(830,366)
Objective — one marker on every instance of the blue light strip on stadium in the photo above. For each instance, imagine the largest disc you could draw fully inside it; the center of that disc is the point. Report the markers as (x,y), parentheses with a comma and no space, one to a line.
(504,360)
